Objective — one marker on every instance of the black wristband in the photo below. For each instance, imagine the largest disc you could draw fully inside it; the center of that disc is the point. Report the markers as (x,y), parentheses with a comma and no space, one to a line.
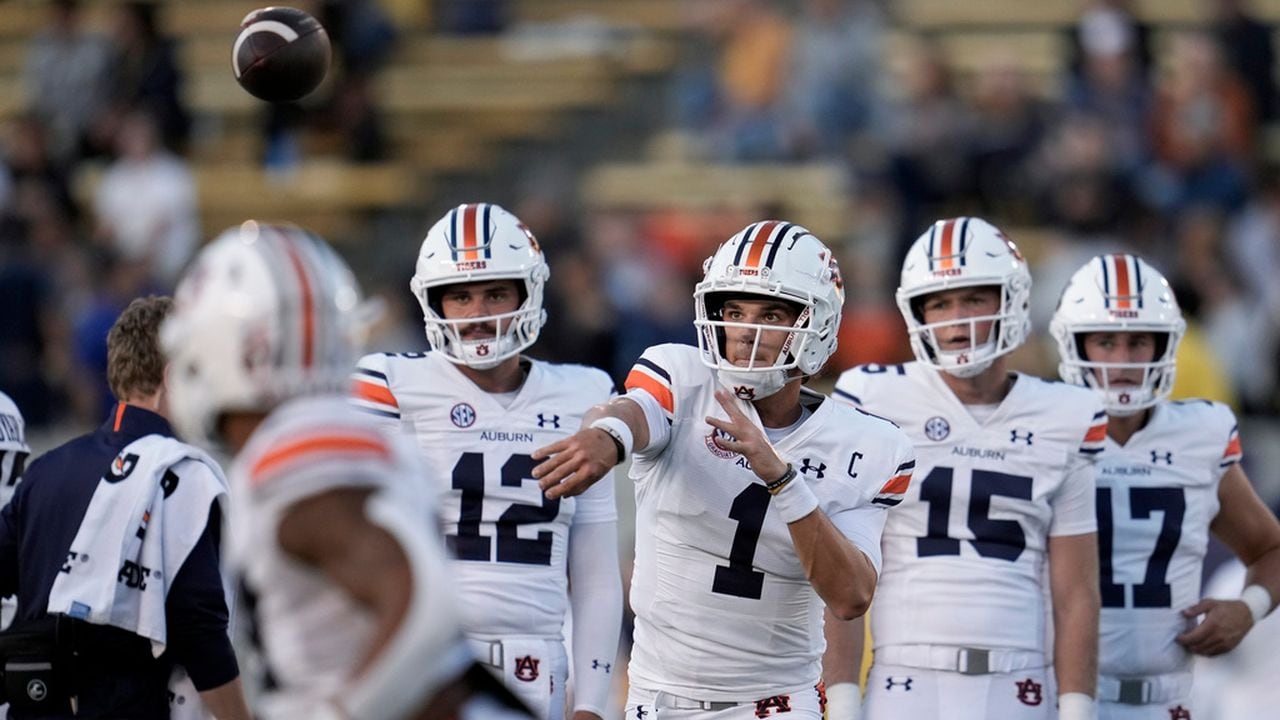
(622,451)
(776,486)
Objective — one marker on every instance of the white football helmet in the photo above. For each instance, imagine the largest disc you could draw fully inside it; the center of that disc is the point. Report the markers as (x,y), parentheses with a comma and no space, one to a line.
(958,253)
(263,314)
(478,243)
(14,450)
(780,260)
(1118,293)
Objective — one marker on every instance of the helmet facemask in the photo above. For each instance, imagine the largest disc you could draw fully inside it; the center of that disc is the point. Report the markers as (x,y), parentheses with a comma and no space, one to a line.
(758,378)
(514,331)
(1124,400)
(1007,331)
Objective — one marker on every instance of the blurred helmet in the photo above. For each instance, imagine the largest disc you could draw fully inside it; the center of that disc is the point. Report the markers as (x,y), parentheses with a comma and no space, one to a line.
(13,447)
(779,260)
(263,314)
(1118,293)
(480,243)
(961,253)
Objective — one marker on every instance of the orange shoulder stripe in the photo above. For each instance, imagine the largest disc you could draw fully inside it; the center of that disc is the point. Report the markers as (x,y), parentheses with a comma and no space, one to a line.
(363,445)
(897,485)
(376,393)
(1097,433)
(660,392)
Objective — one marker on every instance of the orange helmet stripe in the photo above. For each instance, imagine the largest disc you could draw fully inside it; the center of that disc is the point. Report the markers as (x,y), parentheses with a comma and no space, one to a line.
(308,303)
(759,242)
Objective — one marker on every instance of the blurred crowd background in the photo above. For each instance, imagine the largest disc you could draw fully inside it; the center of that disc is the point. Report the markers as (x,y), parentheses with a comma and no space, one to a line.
(633,136)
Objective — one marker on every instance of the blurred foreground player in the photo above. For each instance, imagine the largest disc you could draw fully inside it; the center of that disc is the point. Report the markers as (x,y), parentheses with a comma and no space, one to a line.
(1170,475)
(348,592)
(476,408)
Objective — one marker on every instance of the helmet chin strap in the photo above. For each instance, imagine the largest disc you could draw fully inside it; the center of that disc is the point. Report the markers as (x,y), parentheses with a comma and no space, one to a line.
(753,385)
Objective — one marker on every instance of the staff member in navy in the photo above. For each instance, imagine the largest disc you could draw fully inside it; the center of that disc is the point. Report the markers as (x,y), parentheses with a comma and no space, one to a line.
(111,544)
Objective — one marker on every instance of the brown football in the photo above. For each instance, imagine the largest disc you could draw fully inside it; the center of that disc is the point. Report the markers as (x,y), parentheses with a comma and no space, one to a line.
(281,54)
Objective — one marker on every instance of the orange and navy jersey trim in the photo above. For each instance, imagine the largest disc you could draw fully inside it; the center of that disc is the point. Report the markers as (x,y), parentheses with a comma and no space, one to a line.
(471,232)
(760,243)
(948,242)
(1234,452)
(1096,437)
(895,490)
(371,392)
(1121,282)
(315,448)
(649,376)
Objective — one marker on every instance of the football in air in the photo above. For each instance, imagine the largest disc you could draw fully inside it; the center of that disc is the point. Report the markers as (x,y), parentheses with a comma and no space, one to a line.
(281,54)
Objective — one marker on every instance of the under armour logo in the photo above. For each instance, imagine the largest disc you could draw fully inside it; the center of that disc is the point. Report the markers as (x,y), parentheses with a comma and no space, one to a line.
(553,421)
(1167,457)
(1030,692)
(1015,437)
(596,665)
(1179,713)
(890,683)
(819,470)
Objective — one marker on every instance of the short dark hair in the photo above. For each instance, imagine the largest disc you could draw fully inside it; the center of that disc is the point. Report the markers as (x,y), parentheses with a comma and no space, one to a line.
(135,364)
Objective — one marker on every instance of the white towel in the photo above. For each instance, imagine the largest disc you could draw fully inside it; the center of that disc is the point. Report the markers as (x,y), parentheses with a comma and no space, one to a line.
(137,532)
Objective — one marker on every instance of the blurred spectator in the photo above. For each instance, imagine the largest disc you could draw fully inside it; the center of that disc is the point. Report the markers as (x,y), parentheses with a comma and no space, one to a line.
(471,17)
(146,202)
(1202,130)
(1253,245)
(1108,21)
(1247,44)
(927,131)
(1209,291)
(29,160)
(835,65)
(145,73)
(1082,188)
(363,38)
(1111,83)
(1011,123)
(65,77)
(117,282)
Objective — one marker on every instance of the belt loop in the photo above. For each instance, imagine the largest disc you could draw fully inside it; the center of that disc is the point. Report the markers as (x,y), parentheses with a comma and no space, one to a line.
(495,655)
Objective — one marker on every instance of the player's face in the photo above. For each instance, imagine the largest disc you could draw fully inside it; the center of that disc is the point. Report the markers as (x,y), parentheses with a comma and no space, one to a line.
(479,299)
(958,306)
(740,341)
(1120,347)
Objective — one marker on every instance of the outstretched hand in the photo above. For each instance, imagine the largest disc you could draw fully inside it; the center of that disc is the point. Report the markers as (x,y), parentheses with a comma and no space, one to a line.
(575,463)
(746,439)
(1224,625)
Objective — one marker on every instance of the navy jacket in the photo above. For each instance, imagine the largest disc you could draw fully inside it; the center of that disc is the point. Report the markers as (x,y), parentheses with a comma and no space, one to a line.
(118,678)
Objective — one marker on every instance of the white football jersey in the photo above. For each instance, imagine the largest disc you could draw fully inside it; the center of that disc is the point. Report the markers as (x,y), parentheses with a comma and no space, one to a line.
(964,554)
(723,608)
(310,632)
(510,541)
(1157,495)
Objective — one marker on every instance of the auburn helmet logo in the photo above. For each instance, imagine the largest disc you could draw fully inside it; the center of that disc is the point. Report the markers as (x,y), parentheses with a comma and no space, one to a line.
(527,668)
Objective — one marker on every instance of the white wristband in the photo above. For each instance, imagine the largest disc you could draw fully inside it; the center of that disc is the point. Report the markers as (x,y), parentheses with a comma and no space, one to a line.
(795,500)
(618,430)
(844,702)
(1076,706)
(1258,599)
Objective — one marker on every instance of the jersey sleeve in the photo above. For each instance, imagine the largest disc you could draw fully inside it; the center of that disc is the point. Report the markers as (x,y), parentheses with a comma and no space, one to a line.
(848,387)
(1075,499)
(1232,452)
(309,460)
(371,389)
(887,485)
(650,384)
(1095,437)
